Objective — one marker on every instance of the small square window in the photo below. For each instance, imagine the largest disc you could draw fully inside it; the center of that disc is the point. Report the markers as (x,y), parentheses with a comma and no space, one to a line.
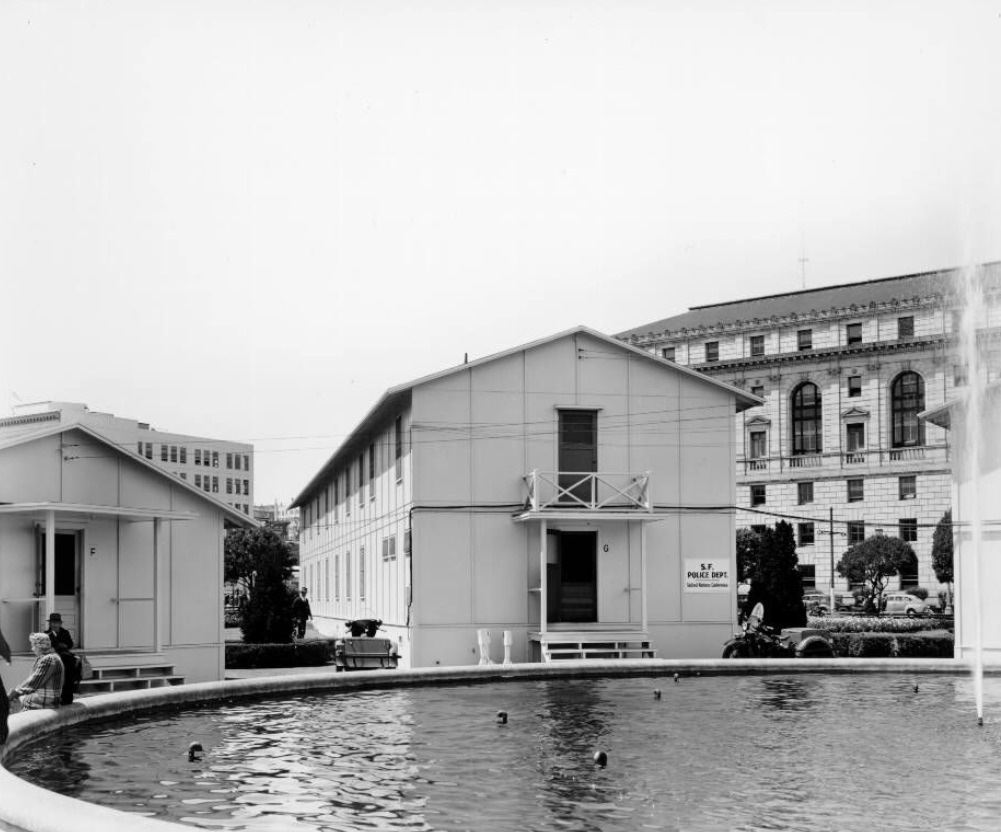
(757,495)
(853,333)
(758,390)
(856,490)
(905,327)
(909,530)
(854,386)
(757,345)
(806,534)
(804,339)
(712,350)
(908,487)
(804,492)
(667,352)
(856,532)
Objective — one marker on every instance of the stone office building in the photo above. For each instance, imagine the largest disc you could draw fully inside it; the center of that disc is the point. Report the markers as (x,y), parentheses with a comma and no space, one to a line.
(844,372)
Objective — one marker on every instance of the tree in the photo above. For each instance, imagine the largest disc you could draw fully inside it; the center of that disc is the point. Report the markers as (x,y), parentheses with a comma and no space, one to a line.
(871,562)
(942,551)
(775,581)
(260,561)
(748,553)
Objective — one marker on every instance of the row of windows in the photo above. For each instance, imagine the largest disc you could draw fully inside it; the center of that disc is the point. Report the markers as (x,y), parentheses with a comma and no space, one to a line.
(345,566)
(804,340)
(907,489)
(179,453)
(907,530)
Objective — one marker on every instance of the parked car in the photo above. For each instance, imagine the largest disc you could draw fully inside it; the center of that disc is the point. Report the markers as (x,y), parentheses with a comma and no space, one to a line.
(817,603)
(902,603)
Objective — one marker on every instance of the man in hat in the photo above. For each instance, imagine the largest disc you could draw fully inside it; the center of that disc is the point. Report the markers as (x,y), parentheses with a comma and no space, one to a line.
(301,612)
(62,643)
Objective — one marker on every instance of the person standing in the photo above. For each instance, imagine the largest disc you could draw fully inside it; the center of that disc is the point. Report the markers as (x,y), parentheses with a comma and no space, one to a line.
(4,701)
(44,687)
(62,643)
(301,613)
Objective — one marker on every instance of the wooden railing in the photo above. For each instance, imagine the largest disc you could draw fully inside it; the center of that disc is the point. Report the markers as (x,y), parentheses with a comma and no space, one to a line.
(587,490)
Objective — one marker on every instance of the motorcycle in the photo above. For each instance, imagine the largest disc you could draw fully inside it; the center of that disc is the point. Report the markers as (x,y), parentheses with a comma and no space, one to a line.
(756,641)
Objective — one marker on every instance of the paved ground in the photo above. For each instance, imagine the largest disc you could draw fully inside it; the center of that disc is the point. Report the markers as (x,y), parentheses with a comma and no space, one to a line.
(233,635)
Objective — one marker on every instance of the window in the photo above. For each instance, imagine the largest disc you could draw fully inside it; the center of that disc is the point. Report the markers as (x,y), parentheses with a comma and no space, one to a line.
(215,459)
(184,475)
(229,461)
(398,436)
(853,334)
(712,350)
(808,572)
(804,339)
(361,574)
(806,419)
(758,444)
(407,541)
(389,548)
(173,453)
(236,483)
(163,453)
(805,534)
(856,490)
(246,487)
(184,456)
(205,482)
(337,497)
(804,492)
(246,462)
(907,400)
(198,456)
(757,345)
(347,576)
(856,531)
(667,353)
(361,480)
(905,327)
(909,529)
(198,480)
(371,471)
(236,459)
(149,450)
(855,436)
(854,386)
(758,390)
(907,487)
(757,495)
(337,577)
(347,491)
(139,448)
(215,485)
(326,579)
(229,485)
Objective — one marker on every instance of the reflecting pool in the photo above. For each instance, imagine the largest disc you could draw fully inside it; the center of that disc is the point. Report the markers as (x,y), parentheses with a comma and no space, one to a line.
(806,752)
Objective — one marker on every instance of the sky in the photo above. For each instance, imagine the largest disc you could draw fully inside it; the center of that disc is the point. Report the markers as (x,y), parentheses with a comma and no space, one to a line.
(247,220)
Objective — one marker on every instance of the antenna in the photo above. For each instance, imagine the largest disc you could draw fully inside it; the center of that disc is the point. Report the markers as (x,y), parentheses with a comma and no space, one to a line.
(803,259)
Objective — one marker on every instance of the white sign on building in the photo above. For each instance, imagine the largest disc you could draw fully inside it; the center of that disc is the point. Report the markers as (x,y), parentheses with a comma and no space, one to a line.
(706,575)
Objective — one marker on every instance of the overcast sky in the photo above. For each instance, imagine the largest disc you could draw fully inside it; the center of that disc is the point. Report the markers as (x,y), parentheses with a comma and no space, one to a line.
(246,220)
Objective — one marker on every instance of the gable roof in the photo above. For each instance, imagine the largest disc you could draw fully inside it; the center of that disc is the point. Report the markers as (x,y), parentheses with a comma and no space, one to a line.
(933,284)
(24,437)
(395,397)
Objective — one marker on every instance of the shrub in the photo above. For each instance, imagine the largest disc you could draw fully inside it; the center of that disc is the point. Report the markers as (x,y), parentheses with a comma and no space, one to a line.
(930,645)
(882,624)
(918,592)
(302,654)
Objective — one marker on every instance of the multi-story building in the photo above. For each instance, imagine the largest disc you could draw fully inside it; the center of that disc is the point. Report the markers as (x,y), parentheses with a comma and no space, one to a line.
(837,449)
(218,467)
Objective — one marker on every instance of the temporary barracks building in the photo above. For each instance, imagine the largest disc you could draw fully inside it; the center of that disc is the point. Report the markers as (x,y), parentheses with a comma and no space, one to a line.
(130,555)
(575,492)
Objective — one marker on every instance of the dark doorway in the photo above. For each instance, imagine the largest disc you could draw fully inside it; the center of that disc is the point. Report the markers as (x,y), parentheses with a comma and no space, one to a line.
(572,578)
(578,454)
(66,578)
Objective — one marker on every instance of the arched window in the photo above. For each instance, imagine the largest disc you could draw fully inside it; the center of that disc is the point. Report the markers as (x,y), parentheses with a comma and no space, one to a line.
(806,420)
(907,400)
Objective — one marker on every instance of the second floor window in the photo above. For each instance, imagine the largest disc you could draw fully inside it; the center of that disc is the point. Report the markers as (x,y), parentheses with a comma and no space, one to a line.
(804,492)
(856,490)
(806,420)
(854,386)
(806,534)
(907,487)
(804,339)
(759,444)
(855,436)
(856,531)
(905,327)
(907,400)
(853,334)
(712,350)
(758,496)
(909,530)
(757,345)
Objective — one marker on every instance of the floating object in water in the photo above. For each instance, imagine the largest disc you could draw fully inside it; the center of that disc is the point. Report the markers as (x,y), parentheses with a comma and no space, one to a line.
(502,717)
(980,721)
(915,688)
(193,749)
(676,678)
(600,759)
(656,693)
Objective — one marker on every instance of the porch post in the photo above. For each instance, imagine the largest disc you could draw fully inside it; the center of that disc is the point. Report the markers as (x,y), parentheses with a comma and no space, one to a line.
(50,564)
(543,582)
(643,574)
(157,638)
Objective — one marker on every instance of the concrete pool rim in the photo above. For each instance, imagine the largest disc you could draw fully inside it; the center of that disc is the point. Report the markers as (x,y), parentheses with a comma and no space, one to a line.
(29,808)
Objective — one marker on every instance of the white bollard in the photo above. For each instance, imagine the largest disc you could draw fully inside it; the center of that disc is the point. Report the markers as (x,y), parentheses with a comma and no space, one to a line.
(483,636)
(507,646)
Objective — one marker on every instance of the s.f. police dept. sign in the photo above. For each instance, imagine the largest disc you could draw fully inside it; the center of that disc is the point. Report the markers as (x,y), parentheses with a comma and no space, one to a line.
(707,575)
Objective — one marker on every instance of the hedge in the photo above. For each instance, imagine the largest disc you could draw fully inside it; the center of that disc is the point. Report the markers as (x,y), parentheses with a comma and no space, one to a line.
(877,624)
(302,654)
(926,645)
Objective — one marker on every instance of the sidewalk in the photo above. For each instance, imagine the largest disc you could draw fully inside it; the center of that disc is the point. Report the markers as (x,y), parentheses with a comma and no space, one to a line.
(233,635)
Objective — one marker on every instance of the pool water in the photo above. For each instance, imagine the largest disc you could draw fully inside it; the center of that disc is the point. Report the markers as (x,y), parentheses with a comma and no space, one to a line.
(804,752)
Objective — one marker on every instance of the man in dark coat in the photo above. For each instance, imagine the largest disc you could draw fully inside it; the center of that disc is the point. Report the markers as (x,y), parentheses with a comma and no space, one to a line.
(300,613)
(62,643)
(4,700)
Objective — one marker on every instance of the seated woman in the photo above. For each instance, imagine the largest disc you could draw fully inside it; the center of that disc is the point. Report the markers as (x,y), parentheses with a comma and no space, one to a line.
(44,687)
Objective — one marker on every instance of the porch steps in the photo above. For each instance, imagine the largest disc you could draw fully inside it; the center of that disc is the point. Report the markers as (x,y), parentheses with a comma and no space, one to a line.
(121,672)
(557,646)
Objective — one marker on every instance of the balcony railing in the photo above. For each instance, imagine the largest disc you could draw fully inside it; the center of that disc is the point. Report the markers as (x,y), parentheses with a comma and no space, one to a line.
(587,490)
(843,459)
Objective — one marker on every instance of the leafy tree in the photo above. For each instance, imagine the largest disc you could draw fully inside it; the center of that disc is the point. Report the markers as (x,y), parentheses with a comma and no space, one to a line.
(775,580)
(941,551)
(262,563)
(748,553)
(871,562)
